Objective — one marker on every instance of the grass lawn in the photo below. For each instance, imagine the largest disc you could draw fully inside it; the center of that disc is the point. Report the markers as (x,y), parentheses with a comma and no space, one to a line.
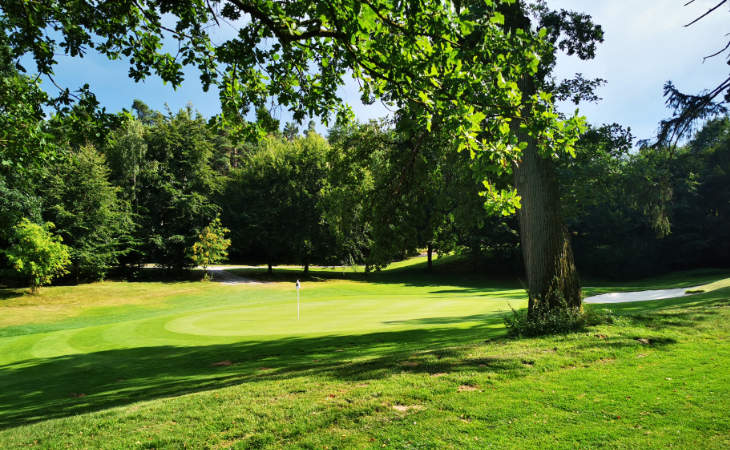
(399,359)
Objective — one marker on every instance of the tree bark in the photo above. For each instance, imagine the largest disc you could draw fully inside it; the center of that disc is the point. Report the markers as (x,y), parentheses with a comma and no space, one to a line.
(430,257)
(271,269)
(552,277)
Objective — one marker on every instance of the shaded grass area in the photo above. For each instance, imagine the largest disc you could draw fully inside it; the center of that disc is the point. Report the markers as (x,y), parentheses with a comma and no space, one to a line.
(454,269)
(122,376)
(426,377)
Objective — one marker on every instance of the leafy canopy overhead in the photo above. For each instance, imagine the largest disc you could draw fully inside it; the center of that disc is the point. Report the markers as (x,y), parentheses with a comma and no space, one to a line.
(461,61)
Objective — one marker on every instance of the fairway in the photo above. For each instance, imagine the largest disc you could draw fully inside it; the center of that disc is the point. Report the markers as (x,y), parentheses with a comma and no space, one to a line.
(372,362)
(185,314)
(366,225)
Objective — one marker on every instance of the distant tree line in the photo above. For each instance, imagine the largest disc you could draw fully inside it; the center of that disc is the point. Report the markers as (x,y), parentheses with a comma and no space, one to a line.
(656,209)
(143,186)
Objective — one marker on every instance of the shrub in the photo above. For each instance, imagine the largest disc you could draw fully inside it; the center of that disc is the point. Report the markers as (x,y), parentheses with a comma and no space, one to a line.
(545,321)
(37,253)
(211,246)
(555,320)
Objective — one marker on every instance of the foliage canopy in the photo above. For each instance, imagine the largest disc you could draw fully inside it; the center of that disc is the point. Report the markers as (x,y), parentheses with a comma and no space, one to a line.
(37,253)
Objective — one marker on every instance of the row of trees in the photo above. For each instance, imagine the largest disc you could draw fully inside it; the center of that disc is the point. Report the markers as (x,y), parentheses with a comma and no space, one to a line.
(475,75)
(636,213)
(481,68)
(160,184)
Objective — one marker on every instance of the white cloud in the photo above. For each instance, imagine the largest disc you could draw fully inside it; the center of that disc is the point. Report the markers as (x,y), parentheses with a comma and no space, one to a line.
(645,45)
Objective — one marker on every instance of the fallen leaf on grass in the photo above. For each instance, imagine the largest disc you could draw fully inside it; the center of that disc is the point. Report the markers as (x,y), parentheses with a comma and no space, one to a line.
(221,363)
(466,387)
(406,408)
(79,395)
(644,341)
(410,364)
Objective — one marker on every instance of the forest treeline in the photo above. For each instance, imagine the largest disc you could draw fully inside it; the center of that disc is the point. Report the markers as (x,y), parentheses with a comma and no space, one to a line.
(138,187)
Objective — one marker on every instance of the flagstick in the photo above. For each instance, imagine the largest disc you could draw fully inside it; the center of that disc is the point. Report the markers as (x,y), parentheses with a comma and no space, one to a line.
(298,285)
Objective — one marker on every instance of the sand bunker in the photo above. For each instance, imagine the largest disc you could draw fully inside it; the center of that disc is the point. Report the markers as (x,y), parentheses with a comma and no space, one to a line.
(640,296)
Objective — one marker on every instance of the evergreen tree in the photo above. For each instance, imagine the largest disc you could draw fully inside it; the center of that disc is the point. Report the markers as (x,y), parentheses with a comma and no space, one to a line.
(93,221)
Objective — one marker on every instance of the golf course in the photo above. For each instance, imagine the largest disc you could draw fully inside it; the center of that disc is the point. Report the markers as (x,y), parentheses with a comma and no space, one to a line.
(364,224)
(396,359)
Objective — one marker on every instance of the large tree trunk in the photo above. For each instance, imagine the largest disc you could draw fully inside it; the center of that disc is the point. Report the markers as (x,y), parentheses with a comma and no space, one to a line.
(551,274)
(430,257)
(552,278)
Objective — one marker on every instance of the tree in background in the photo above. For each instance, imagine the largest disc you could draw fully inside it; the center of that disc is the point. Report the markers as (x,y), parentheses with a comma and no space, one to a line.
(274,203)
(88,213)
(639,213)
(125,154)
(212,246)
(290,131)
(600,189)
(313,238)
(467,63)
(691,109)
(409,205)
(358,152)
(176,184)
(699,212)
(36,253)
(26,146)
(254,206)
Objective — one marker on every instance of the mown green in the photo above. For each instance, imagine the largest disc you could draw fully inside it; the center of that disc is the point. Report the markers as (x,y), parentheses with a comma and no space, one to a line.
(399,359)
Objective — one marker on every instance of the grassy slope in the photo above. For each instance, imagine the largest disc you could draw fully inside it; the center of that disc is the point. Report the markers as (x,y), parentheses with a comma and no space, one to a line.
(420,363)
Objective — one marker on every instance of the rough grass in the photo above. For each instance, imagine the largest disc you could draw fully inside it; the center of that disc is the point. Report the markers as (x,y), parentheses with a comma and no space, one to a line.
(404,360)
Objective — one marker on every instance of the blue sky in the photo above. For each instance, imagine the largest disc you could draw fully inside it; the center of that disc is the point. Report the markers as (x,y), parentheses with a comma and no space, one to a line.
(645,45)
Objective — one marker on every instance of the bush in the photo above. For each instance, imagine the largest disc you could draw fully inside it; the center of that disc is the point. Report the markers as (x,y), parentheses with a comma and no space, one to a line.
(555,321)
(37,254)
(546,321)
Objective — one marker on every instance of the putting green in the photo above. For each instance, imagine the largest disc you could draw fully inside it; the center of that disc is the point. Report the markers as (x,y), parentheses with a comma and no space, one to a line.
(327,316)
(192,314)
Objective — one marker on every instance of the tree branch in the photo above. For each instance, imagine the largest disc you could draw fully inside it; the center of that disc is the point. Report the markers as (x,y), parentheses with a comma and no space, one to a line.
(282,33)
(716,53)
(705,14)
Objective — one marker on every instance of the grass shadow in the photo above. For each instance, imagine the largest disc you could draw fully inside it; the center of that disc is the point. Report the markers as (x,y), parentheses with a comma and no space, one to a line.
(443,320)
(41,389)
(10,293)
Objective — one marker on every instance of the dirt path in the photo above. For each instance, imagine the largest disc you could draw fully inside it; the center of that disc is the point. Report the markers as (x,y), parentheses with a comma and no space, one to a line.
(225,277)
